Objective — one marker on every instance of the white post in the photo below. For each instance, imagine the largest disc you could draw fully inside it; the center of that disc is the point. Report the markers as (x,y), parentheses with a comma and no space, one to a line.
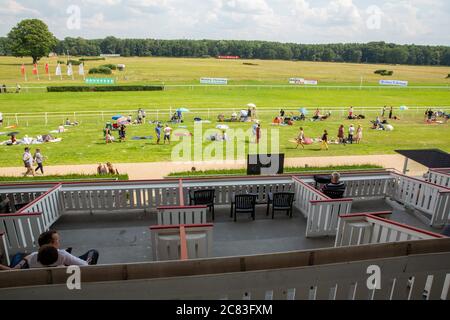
(157,114)
(208,113)
(17,119)
(103,118)
(46,118)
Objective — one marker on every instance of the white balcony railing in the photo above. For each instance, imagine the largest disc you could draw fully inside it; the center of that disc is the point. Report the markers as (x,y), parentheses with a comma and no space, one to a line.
(23,227)
(321,212)
(427,197)
(412,270)
(145,195)
(174,215)
(4,252)
(181,242)
(373,228)
(440,177)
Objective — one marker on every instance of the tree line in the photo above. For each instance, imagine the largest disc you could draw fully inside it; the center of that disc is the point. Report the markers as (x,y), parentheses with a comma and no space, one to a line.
(373,52)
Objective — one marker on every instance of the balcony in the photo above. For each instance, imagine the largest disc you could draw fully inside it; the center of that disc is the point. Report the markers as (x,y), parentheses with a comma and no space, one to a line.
(148,222)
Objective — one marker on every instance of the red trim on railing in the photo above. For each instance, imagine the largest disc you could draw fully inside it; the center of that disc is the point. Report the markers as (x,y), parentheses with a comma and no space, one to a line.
(440,170)
(437,235)
(181,207)
(288,175)
(39,198)
(331,200)
(176,226)
(375,215)
(364,214)
(13,215)
(311,188)
(183,244)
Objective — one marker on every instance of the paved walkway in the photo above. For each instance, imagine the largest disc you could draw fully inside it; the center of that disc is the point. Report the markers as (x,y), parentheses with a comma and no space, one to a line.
(158,170)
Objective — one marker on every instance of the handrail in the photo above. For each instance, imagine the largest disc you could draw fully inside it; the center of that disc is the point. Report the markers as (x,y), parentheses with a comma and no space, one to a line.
(429,233)
(23,214)
(181,207)
(209,266)
(376,216)
(422,181)
(42,196)
(190,179)
(311,188)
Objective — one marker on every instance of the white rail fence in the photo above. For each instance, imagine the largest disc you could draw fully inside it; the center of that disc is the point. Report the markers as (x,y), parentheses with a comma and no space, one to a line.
(226,188)
(20,196)
(424,196)
(440,177)
(21,231)
(182,215)
(48,204)
(181,242)
(411,271)
(120,196)
(321,212)
(4,252)
(359,229)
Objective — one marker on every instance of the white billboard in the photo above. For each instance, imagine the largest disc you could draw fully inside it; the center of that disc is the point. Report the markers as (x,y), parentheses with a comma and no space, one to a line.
(213,81)
(302,81)
(393,83)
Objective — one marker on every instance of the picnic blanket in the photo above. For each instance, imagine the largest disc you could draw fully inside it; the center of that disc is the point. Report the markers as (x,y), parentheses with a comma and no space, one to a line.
(142,138)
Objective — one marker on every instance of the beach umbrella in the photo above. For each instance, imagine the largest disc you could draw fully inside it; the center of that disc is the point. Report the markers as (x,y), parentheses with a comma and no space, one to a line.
(183,110)
(251,105)
(222,127)
(404,108)
(304,111)
(122,121)
(12,134)
(117,117)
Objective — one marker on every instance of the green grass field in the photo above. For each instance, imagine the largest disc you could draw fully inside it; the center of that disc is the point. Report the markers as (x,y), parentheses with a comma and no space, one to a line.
(84,144)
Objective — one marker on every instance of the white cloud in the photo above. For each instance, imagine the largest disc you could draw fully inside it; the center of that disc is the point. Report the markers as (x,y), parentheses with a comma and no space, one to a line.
(12,7)
(306,21)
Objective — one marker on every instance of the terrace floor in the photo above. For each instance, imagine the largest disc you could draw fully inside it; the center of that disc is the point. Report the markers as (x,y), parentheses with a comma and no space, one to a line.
(124,237)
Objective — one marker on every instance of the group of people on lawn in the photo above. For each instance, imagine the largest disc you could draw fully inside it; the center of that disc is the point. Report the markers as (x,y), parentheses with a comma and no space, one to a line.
(354,135)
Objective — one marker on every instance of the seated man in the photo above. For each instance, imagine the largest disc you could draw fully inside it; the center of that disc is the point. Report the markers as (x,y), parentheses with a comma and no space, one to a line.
(335,189)
(50,255)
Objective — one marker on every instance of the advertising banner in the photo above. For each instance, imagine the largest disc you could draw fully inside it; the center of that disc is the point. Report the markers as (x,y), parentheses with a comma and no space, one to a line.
(394,83)
(213,81)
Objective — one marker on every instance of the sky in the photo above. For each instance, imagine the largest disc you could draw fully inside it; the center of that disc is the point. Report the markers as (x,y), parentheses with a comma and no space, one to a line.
(299,21)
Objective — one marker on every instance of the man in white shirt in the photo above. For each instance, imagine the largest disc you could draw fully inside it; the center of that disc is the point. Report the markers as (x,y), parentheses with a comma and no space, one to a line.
(50,254)
(351,132)
(167,132)
(28,161)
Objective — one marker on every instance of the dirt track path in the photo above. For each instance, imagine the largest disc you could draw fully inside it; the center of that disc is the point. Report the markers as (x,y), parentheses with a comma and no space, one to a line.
(158,170)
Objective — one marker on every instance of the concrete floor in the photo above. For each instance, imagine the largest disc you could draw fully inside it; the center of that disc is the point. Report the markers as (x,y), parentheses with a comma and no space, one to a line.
(125,236)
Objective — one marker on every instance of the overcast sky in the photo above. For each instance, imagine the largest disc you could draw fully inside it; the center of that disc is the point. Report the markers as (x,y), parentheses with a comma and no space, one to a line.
(300,21)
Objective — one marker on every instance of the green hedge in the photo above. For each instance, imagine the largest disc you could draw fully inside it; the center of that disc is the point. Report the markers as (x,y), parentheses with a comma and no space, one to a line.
(93,59)
(74,62)
(100,70)
(103,88)
(110,66)
(384,72)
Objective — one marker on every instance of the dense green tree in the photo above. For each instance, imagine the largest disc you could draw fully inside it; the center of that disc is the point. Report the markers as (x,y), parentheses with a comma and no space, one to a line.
(31,37)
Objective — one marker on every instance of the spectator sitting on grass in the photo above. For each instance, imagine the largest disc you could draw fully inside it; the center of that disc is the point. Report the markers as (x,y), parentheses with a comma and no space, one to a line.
(111,169)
